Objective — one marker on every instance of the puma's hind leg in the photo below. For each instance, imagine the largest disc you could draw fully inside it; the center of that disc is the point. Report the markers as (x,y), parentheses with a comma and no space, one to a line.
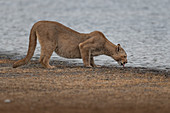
(47,49)
(45,58)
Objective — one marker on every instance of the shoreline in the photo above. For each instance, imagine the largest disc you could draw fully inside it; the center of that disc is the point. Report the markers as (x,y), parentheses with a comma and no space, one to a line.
(72,88)
(17,56)
(141,70)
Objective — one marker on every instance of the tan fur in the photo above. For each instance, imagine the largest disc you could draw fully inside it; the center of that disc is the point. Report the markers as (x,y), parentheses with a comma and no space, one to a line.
(68,43)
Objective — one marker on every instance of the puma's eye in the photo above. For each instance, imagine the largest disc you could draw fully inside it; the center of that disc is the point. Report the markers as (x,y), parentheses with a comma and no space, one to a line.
(124,56)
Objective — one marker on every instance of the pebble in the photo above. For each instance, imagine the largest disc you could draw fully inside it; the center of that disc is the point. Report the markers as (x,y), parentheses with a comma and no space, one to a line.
(7,101)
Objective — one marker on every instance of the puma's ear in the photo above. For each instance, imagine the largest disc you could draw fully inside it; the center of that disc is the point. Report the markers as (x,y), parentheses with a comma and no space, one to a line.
(118,47)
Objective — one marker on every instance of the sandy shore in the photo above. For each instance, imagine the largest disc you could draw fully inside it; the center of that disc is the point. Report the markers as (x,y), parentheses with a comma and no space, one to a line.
(71,88)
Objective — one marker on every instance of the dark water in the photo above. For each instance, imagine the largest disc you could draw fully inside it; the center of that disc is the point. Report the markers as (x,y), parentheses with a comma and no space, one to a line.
(142,27)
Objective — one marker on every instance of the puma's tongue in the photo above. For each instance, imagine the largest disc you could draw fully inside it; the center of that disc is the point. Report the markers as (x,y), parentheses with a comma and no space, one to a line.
(123,65)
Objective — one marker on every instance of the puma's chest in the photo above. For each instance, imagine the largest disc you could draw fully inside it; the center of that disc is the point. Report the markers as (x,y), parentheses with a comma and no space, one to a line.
(97,52)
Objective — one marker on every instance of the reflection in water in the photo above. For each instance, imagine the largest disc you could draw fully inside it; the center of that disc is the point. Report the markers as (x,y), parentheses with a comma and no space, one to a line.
(142,27)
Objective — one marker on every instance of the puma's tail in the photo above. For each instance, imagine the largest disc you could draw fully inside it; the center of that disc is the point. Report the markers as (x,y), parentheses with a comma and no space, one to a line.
(31,49)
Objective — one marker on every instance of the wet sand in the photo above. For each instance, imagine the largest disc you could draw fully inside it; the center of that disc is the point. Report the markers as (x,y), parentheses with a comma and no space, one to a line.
(72,88)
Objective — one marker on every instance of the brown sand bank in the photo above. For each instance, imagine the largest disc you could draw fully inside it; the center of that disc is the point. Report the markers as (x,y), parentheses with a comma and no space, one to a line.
(72,88)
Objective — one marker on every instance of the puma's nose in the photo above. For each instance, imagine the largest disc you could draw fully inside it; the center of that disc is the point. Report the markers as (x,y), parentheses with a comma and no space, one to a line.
(125,62)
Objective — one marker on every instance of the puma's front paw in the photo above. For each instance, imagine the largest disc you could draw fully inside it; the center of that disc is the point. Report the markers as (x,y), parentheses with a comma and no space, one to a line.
(88,66)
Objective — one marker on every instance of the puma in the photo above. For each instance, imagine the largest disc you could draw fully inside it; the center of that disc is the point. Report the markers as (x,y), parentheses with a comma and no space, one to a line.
(68,43)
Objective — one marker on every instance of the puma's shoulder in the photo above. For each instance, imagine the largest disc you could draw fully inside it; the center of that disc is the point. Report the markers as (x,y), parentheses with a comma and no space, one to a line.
(99,36)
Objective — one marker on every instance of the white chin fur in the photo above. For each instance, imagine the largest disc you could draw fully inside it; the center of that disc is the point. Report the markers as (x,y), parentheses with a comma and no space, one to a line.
(120,64)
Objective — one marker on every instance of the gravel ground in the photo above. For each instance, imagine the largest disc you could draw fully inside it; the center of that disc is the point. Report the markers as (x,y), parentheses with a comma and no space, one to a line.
(72,88)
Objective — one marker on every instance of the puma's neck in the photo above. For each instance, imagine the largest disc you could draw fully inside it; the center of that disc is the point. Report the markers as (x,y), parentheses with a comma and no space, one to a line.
(110,48)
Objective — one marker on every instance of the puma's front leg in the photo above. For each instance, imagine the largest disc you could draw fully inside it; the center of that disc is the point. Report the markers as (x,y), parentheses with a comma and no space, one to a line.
(85,50)
(92,62)
(85,55)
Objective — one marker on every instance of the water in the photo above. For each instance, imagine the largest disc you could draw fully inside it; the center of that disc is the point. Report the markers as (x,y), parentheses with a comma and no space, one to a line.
(142,27)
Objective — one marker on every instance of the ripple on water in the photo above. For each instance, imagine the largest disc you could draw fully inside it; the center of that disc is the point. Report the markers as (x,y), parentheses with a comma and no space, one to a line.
(141,27)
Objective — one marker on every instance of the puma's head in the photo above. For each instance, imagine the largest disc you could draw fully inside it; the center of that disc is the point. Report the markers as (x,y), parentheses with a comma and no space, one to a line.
(120,56)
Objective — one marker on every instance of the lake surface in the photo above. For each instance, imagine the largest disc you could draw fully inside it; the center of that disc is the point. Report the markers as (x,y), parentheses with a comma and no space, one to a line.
(142,27)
